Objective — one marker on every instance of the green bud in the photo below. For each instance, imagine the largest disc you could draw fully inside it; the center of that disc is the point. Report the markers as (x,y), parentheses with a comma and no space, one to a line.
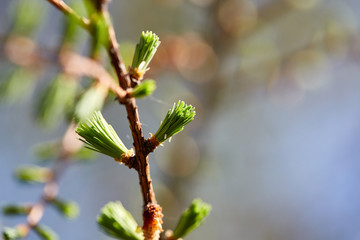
(192,218)
(92,100)
(175,120)
(117,222)
(27,16)
(11,233)
(99,136)
(16,85)
(45,233)
(16,209)
(67,208)
(144,89)
(47,151)
(17,232)
(144,52)
(56,100)
(33,174)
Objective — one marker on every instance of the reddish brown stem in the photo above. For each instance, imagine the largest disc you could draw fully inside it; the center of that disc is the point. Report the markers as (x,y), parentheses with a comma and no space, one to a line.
(141,152)
(152,212)
(132,112)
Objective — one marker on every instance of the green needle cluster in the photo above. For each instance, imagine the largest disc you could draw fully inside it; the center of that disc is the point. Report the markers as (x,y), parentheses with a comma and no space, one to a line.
(12,233)
(175,120)
(68,209)
(33,174)
(27,17)
(92,100)
(145,50)
(16,85)
(192,218)
(45,233)
(56,100)
(99,136)
(15,209)
(117,222)
(144,89)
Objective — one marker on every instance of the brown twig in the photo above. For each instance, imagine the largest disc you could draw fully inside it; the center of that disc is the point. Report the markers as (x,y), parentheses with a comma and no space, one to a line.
(152,213)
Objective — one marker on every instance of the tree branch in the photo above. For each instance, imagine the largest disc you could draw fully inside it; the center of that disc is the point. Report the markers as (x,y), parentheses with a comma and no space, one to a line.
(132,111)
(152,214)
(78,65)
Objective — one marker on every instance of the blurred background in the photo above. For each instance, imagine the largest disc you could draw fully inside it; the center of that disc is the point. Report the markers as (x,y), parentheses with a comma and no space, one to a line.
(274,147)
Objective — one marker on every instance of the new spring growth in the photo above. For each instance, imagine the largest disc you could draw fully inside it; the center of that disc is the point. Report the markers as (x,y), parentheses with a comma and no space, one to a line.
(99,136)
(67,208)
(17,232)
(192,218)
(144,52)
(27,17)
(16,209)
(13,88)
(174,122)
(56,100)
(45,233)
(33,174)
(90,101)
(144,89)
(117,222)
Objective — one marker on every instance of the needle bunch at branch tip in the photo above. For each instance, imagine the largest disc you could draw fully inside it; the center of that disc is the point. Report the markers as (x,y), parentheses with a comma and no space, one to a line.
(144,52)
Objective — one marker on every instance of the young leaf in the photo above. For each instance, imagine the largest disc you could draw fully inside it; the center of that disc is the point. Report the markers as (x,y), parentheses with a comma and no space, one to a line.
(27,16)
(16,85)
(45,233)
(144,52)
(56,100)
(13,233)
(99,136)
(192,218)
(67,208)
(16,209)
(92,100)
(144,89)
(33,174)
(175,120)
(47,151)
(117,222)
